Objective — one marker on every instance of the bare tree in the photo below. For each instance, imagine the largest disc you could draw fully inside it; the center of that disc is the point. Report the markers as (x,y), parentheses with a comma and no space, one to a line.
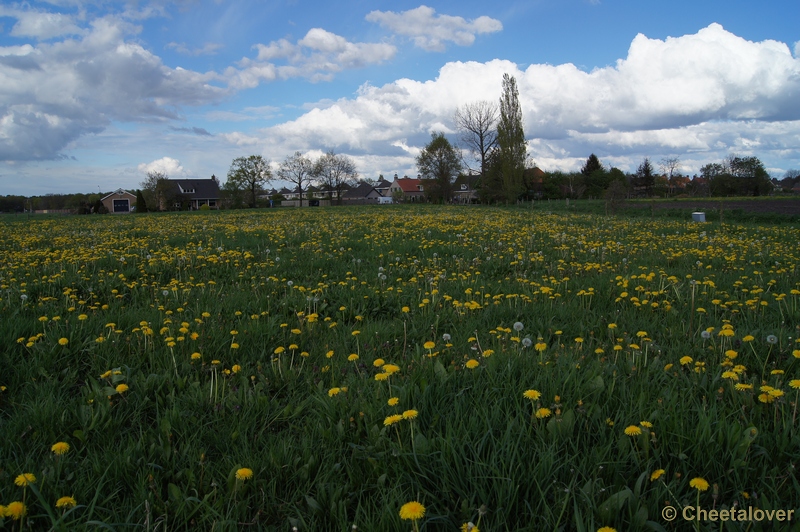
(477,123)
(297,169)
(669,166)
(334,172)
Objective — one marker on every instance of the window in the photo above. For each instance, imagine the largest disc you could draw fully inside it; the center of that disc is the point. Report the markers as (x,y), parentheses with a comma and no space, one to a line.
(463,186)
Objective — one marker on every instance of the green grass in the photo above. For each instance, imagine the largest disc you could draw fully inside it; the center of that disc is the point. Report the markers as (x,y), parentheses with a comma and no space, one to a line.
(164,453)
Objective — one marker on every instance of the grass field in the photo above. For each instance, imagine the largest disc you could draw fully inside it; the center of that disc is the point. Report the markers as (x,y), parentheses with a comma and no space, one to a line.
(321,368)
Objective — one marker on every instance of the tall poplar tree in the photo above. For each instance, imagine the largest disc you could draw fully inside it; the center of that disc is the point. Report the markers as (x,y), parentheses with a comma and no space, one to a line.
(511,141)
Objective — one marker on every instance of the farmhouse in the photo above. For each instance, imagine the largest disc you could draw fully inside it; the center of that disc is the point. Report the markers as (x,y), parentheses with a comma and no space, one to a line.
(119,202)
(406,189)
(194,193)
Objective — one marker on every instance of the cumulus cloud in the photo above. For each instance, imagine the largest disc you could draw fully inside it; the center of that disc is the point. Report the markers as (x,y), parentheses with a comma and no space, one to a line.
(317,57)
(432,32)
(711,92)
(53,93)
(166,165)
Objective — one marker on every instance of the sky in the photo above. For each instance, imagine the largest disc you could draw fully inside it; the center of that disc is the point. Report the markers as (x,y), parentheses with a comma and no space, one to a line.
(96,93)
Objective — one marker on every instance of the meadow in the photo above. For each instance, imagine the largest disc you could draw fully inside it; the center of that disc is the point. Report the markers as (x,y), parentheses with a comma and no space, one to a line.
(320,369)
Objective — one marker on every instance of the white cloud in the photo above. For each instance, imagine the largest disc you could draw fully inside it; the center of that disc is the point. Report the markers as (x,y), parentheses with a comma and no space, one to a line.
(40,25)
(317,57)
(166,165)
(431,31)
(53,93)
(709,93)
(208,48)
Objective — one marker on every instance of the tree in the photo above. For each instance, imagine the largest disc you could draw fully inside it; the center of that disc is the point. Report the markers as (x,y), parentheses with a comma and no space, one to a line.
(438,165)
(157,191)
(249,175)
(297,169)
(669,167)
(141,204)
(592,165)
(595,177)
(334,172)
(477,122)
(751,176)
(645,177)
(511,140)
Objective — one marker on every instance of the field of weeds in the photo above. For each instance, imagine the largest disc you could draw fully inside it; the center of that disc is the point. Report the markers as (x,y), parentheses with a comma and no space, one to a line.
(396,367)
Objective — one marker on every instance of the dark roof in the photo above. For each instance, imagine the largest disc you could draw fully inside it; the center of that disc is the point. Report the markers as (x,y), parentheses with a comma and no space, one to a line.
(361,191)
(470,180)
(203,188)
(383,184)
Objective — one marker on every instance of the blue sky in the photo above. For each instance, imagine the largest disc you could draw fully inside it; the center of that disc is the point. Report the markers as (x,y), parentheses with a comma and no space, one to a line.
(93,94)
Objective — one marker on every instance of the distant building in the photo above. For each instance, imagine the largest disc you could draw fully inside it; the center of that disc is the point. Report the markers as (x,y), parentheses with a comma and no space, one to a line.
(192,194)
(407,189)
(119,202)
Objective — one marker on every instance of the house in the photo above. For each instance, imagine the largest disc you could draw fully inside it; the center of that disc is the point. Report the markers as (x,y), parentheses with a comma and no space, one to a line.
(383,187)
(194,193)
(465,189)
(407,189)
(363,193)
(120,201)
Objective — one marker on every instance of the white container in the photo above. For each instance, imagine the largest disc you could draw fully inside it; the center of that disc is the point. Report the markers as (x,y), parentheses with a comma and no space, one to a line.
(699,216)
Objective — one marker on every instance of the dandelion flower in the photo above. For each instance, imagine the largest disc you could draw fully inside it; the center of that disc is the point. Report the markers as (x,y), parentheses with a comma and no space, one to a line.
(393,401)
(25,479)
(121,388)
(244,473)
(66,502)
(60,447)
(352,358)
(63,341)
(646,424)
(429,345)
(412,511)
(772,339)
(410,414)
(391,368)
(632,430)
(742,387)
(607,529)
(533,395)
(655,475)
(700,484)
(518,326)
(794,383)
(796,353)
(543,413)
(16,510)
(381,376)
(378,362)
(391,420)
(334,391)
(472,363)
(527,342)
(686,360)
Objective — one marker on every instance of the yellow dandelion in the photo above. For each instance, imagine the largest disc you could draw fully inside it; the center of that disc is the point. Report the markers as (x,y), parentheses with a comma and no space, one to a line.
(334,391)
(472,363)
(607,529)
(655,475)
(391,420)
(63,341)
(543,413)
(16,510)
(632,430)
(378,362)
(393,401)
(381,376)
(66,502)
(244,473)
(412,511)
(410,414)
(700,484)
(25,479)
(794,383)
(391,368)
(121,388)
(429,345)
(686,360)
(533,395)
(352,358)
(60,448)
